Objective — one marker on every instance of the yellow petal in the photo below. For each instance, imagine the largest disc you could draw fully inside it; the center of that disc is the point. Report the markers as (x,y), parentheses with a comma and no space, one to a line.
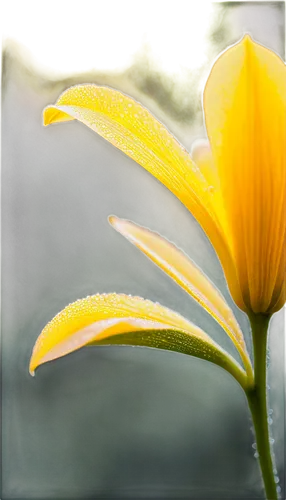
(132,128)
(186,274)
(120,319)
(245,112)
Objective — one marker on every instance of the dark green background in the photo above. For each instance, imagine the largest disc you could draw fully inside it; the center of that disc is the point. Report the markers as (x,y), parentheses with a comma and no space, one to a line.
(114,422)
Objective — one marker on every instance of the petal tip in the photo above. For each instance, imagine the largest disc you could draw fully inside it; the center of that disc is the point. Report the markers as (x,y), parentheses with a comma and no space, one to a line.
(47,119)
(33,364)
(199,148)
(32,370)
(247,37)
(115,221)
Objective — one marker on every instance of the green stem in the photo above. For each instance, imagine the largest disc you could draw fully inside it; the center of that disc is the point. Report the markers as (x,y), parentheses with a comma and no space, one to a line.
(257,399)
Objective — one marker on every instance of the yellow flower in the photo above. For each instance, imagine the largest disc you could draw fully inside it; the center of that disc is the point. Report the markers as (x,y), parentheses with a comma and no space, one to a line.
(235,188)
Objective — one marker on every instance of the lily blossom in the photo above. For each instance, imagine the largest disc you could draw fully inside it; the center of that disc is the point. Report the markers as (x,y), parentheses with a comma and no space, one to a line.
(234,187)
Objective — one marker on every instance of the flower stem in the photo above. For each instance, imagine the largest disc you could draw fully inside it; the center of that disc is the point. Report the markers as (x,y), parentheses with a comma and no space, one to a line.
(257,399)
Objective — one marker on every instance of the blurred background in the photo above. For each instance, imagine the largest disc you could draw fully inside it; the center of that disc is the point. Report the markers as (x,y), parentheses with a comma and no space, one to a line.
(115,422)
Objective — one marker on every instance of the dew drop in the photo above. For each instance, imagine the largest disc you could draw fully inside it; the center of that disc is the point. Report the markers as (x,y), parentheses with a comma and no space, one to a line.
(269,420)
(275,472)
(276,479)
(254,446)
(256,454)
(270,411)
(268,387)
(271,440)
(278,489)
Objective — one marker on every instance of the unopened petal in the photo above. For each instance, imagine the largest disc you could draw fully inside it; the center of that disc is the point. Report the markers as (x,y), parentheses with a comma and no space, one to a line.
(202,155)
(245,112)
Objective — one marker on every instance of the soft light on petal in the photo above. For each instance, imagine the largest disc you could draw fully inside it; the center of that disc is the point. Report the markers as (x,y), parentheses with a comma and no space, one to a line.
(183,270)
(245,112)
(120,319)
(202,156)
(133,129)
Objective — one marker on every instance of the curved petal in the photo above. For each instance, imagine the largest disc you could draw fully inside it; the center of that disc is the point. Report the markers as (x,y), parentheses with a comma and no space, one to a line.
(185,273)
(121,319)
(245,113)
(134,130)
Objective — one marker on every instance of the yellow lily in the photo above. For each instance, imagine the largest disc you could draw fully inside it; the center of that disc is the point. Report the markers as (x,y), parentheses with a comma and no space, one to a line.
(234,185)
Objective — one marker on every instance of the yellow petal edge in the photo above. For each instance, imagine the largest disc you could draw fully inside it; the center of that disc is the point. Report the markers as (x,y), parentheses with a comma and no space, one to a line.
(185,273)
(106,319)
